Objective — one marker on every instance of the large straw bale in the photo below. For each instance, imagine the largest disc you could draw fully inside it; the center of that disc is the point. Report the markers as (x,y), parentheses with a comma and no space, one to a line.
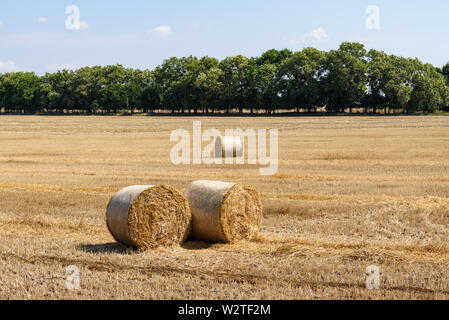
(224,212)
(149,216)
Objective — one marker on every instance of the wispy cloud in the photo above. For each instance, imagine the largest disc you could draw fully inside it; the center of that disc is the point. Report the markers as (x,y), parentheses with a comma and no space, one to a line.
(315,36)
(161,31)
(56,67)
(8,66)
(41,20)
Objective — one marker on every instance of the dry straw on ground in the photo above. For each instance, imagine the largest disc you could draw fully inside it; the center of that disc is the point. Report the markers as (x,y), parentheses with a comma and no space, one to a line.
(351,192)
(224,212)
(149,216)
(228,147)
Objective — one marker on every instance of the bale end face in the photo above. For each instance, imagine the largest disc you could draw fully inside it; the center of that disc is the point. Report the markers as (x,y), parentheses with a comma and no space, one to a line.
(241,213)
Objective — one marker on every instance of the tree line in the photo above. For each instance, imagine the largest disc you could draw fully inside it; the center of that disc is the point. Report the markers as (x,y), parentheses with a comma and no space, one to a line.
(350,79)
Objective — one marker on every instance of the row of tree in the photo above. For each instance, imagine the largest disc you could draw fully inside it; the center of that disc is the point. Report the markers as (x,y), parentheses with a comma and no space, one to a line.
(348,79)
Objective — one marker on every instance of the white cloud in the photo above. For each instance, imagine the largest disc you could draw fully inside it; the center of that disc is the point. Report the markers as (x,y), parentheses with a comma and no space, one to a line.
(41,20)
(8,66)
(162,31)
(319,35)
(315,36)
(83,25)
(80,25)
(56,67)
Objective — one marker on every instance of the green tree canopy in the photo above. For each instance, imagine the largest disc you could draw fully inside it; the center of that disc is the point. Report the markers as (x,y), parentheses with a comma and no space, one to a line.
(309,79)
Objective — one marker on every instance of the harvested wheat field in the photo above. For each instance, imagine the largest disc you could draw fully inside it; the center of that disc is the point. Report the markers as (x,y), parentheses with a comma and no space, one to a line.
(350,192)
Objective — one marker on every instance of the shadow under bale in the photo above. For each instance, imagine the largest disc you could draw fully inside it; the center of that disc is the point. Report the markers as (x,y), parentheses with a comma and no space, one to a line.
(197,245)
(107,248)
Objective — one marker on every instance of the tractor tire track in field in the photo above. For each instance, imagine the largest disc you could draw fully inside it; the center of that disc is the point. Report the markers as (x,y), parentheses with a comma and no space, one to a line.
(264,244)
(225,277)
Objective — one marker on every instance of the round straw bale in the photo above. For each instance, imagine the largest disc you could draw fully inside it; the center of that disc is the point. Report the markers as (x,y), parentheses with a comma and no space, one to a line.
(228,146)
(224,212)
(149,216)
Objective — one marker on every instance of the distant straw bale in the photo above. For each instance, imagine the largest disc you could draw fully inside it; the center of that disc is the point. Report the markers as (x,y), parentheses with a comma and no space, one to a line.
(231,147)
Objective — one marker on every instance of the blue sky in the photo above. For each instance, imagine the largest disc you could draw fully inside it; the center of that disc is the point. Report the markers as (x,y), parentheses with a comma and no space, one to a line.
(141,34)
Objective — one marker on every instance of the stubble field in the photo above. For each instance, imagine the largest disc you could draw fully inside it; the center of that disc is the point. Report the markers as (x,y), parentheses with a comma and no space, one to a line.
(350,192)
